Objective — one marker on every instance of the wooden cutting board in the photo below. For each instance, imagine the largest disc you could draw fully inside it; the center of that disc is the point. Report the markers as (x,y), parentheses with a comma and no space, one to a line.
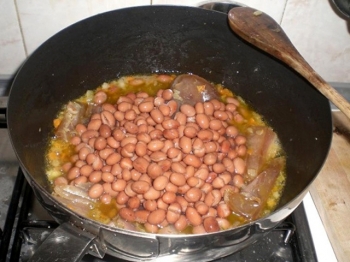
(331,189)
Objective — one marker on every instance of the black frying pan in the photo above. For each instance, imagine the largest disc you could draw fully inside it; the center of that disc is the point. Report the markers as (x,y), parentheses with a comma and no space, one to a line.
(166,39)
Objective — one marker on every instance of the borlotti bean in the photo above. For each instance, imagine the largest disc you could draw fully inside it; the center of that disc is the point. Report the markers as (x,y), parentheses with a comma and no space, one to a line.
(150,163)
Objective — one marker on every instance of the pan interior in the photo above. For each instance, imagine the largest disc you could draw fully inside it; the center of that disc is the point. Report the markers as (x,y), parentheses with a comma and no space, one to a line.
(166,39)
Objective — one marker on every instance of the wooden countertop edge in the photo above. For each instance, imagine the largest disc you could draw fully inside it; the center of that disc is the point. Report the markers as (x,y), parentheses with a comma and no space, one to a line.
(331,191)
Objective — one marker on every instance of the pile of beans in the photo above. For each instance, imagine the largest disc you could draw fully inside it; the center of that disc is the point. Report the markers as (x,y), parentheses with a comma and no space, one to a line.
(162,164)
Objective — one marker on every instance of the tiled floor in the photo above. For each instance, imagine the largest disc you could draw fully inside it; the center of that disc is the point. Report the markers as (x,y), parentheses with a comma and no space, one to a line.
(317,30)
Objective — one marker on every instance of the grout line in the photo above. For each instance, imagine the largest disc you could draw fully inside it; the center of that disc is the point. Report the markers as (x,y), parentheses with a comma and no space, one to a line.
(21,29)
(283,11)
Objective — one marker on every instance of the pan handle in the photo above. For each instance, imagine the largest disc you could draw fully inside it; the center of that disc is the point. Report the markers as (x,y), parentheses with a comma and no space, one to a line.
(65,244)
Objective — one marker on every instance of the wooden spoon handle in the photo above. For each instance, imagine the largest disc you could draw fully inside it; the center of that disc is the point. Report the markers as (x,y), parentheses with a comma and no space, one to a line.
(265,33)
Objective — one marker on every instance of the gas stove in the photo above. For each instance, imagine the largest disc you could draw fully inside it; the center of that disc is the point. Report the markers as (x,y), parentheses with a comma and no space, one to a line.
(25,224)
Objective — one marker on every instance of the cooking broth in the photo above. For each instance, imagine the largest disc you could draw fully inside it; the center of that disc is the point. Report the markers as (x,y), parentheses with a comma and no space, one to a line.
(143,153)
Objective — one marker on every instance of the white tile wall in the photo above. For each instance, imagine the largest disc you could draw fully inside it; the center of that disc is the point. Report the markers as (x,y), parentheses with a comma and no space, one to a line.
(12,52)
(319,33)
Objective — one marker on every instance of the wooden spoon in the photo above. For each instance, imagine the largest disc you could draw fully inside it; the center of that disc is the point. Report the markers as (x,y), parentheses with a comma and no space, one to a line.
(263,32)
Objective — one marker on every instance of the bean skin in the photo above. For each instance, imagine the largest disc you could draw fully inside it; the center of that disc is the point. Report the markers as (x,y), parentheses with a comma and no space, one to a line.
(158,156)
(122,198)
(140,187)
(150,205)
(193,216)
(190,132)
(208,108)
(160,182)
(166,199)
(95,191)
(170,124)
(134,202)
(240,165)
(202,120)
(181,118)
(188,110)
(127,214)
(174,213)
(192,160)
(154,170)
(152,194)
(95,177)
(156,217)
(161,204)
(88,134)
(171,134)
(205,135)
(201,208)
(223,210)
(146,107)
(167,94)
(150,228)
(113,159)
(141,216)
(155,145)
(100,97)
(106,199)
(141,149)
(181,223)
(215,124)
(60,181)
(124,106)
(164,109)
(94,124)
(131,128)
(108,118)
(183,202)
(86,170)
(170,187)
(100,143)
(141,164)
(193,195)
(107,187)
(109,107)
(177,179)
(195,182)
(174,154)
(211,225)
(119,185)
(238,181)
(73,173)
(80,180)
(157,116)
(118,134)
(107,177)
(178,168)
(198,230)
(222,115)
(80,128)
(218,168)
(231,131)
